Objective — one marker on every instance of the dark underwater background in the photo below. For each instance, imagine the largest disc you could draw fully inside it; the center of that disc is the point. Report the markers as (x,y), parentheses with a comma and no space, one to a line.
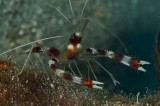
(135,22)
(140,36)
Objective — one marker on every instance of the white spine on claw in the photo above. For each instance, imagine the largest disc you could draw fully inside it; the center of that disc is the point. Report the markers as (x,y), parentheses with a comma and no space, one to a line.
(144,62)
(77,80)
(50,62)
(97,87)
(96,82)
(141,69)
(94,51)
(110,54)
(126,60)
(59,72)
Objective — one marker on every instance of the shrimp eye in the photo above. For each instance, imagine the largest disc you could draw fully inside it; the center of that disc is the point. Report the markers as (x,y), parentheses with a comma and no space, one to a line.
(75,39)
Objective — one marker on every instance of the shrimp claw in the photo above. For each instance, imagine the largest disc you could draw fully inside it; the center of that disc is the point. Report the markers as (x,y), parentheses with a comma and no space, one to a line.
(126,60)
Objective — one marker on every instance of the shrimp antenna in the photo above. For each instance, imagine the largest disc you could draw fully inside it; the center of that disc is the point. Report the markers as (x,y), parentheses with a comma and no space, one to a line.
(72,9)
(44,70)
(112,77)
(77,68)
(71,69)
(53,37)
(88,72)
(25,61)
(112,33)
(85,25)
(92,70)
(59,12)
(84,8)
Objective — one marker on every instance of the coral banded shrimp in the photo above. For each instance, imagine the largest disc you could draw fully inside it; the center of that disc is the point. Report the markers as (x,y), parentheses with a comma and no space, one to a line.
(74,52)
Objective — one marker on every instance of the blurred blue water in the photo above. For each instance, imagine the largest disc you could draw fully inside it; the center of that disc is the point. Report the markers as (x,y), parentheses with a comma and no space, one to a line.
(137,21)
(140,38)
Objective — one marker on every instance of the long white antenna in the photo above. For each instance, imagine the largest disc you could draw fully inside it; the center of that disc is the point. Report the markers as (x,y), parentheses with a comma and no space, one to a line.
(71,8)
(92,71)
(84,8)
(25,61)
(60,13)
(53,37)
(112,77)
(71,69)
(78,69)
(112,33)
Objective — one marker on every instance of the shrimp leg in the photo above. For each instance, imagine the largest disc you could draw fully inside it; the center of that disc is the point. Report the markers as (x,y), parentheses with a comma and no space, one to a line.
(126,60)
(68,76)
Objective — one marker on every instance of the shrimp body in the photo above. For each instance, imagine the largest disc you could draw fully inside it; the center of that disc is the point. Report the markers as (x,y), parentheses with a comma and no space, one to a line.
(74,53)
